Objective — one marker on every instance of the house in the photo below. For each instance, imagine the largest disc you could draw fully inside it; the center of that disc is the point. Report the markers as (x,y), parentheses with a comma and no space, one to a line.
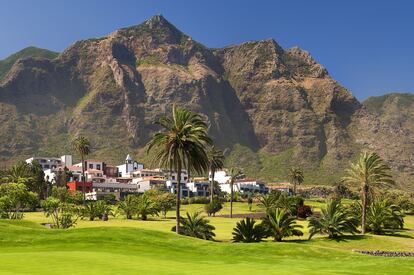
(282,188)
(221,176)
(78,186)
(246,186)
(51,162)
(150,183)
(199,187)
(92,164)
(119,190)
(130,165)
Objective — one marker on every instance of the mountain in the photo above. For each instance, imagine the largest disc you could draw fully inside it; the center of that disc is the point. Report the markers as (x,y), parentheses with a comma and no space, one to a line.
(33,52)
(272,107)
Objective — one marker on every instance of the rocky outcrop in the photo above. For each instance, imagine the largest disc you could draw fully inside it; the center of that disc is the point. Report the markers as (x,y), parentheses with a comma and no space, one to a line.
(278,105)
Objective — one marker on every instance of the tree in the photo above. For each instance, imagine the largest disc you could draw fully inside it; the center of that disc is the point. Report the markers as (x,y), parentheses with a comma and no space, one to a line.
(213,207)
(233,174)
(14,198)
(196,226)
(247,231)
(296,176)
(382,215)
(368,171)
(216,162)
(82,146)
(98,209)
(181,145)
(334,220)
(128,206)
(145,206)
(63,214)
(19,172)
(164,201)
(279,224)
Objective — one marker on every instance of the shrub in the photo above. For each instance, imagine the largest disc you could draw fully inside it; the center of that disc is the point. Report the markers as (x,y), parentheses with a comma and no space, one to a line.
(335,220)
(145,206)
(196,226)
(213,207)
(128,206)
(304,211)
(63,214)
(279,224)
(247,231)
(382,215)
(99,209)
(164,201)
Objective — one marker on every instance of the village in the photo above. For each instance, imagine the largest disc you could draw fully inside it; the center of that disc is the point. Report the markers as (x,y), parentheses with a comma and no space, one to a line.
(131,177)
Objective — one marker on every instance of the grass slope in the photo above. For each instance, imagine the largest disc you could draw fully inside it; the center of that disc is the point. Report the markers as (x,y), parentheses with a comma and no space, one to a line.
(136,247)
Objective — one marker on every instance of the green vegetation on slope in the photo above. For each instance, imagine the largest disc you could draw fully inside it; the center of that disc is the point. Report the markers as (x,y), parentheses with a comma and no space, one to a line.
(7,63)
(375,104)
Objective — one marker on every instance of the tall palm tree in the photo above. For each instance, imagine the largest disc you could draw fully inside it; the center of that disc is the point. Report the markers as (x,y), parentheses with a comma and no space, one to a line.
(368,171)
(233,174)
(216,162)
(82,146)
(181,145)
(296,176)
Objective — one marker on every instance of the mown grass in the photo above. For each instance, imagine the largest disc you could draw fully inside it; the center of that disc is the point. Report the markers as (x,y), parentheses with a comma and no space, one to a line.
(121,246)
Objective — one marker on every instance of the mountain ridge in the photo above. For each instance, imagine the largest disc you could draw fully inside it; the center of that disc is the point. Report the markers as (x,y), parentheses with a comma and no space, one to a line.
(273,108)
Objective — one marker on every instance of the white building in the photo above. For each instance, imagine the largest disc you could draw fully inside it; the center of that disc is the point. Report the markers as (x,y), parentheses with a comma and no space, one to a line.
(130,165)
(220,176)
(47,162)
(199,188)
(246,186)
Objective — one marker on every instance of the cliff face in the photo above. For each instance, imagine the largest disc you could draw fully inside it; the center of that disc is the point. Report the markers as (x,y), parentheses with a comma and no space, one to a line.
(272,107)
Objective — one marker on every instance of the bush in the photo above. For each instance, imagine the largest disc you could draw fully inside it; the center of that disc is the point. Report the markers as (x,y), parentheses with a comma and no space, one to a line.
(304,211)
(335,220)
(164,201)
(196,226)
(213,207)
(279,224)
(247,231)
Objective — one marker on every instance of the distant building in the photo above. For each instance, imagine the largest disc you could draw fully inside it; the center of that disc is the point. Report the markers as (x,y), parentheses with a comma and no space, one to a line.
(282,188)
(130,165)
(46,162)
(246,186)
(199,188)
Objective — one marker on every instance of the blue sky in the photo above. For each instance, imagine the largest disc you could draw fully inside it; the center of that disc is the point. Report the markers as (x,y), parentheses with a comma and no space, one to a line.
(368,46)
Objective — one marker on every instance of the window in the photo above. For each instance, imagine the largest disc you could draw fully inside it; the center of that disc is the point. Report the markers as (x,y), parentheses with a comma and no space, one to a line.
(90,166)
(46,166)
(185,178)
(42,160)
(98,167)
(173,177)
(53,166)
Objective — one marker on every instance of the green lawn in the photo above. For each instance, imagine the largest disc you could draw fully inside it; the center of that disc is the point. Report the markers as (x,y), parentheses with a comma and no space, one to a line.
(122,246)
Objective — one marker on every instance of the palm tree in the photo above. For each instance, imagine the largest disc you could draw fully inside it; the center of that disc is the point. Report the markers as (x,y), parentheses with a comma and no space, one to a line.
(20,172)
(334,221)
(233,175)
(247,231)
(145,207)
(216,162)
(196,226)
(368,171)
(83,147)
(296,176)
(383,215)
(128,206)
(181,145)
(279,224)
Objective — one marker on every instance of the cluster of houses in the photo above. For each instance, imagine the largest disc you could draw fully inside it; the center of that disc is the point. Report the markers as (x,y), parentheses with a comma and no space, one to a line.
(102,179)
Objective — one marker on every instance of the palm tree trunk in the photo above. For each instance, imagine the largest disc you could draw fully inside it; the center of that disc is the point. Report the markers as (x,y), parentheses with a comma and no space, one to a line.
(177,209)
(231,200)
(294,188)
(212,186)
(83,180)
(364,207)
